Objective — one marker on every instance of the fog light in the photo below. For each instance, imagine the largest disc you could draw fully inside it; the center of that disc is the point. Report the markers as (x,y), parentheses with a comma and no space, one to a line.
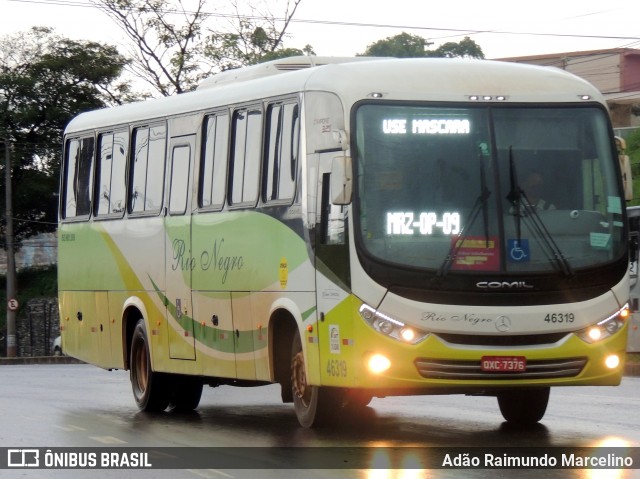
(379,363)
(612,361)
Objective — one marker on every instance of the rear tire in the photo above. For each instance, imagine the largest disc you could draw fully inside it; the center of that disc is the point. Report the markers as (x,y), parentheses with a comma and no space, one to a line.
(150,389)
(186,393)
(523,406)
(314,405)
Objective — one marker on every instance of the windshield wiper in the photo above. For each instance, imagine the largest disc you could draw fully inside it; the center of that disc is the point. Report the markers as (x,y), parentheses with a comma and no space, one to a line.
(524,210)
(481,203)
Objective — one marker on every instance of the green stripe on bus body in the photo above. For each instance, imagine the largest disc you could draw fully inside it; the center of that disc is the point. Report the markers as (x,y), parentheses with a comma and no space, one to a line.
(215,338)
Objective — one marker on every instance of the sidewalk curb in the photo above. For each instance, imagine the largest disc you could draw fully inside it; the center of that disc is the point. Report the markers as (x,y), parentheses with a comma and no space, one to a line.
(40,360)
(632,369)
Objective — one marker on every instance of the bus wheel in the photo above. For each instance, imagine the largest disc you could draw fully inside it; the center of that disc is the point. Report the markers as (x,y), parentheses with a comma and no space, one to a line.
(186,394)
(523,406)
(357,398)
(149,388)
(313,404)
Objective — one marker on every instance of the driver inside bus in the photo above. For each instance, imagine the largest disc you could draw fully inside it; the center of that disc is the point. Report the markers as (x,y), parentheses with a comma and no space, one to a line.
(534,189)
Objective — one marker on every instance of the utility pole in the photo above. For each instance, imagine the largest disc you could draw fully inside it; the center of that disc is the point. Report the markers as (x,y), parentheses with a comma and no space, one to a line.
(12,301)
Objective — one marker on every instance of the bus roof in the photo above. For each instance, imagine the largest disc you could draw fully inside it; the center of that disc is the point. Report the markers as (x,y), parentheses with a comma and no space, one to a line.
(425,79)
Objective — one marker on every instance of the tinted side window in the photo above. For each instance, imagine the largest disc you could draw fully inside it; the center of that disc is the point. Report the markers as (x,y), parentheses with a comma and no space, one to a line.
(78,177)
(214,161)
(245,156)
(110,176)
(281,152)
(147,169)
(119,172)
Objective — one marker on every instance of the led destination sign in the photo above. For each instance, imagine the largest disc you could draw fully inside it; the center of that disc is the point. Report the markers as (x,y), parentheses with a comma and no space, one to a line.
(426,223)
(426,126)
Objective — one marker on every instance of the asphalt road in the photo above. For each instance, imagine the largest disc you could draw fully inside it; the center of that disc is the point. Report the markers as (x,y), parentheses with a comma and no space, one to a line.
(53,406)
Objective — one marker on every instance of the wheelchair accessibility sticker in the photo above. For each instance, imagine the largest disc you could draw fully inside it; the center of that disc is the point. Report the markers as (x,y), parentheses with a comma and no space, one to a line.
(518,250)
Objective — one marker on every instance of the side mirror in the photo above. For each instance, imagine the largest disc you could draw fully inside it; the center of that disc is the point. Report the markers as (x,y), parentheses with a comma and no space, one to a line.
(341,180)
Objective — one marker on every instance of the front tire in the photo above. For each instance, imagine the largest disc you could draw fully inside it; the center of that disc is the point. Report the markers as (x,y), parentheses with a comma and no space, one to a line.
(150,389)
(356,399)
(523,407)
(313,404)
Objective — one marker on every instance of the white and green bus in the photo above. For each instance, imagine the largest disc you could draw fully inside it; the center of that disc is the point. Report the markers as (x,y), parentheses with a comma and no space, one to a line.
(350,229)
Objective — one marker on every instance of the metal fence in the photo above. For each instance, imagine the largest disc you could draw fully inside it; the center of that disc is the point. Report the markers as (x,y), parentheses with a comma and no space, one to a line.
(37,330)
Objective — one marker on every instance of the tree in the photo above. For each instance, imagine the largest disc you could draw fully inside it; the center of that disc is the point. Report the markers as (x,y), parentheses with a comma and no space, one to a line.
(466,48)
(45,80)
(405,45)
(174,47)
(254,37)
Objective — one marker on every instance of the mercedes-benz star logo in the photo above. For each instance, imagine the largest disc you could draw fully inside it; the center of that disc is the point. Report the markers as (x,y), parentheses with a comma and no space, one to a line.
(503,324)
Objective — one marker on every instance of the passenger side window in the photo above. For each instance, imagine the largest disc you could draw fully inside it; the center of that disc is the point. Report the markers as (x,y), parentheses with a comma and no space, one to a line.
(78,177)
(281,152)
(179,179)
(245,156)
(147,169)
(213,170)
(110,175)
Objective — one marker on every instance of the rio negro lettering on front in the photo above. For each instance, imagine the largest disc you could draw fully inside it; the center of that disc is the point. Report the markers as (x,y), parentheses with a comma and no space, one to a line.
(213,259)
(465,318)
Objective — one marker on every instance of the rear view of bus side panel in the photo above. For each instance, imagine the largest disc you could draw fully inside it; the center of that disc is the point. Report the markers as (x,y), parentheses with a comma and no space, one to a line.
(82,275)
(89,320)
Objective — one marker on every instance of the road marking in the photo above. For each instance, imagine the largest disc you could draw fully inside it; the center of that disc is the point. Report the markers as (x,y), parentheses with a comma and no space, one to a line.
(107,439)
(70,427)
(209,473)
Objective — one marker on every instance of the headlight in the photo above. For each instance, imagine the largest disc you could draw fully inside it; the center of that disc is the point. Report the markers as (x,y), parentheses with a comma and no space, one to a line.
(391,327)
(605,328)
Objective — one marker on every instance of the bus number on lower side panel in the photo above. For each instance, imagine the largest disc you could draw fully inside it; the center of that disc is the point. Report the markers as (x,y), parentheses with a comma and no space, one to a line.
(510,364)
(337,368)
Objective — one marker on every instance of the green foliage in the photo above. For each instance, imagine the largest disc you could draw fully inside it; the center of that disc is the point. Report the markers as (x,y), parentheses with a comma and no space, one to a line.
(45,80)
(285,53)
(405,45)
(32,283)
(248,47)
(633,151)
(633,146)
(466,48)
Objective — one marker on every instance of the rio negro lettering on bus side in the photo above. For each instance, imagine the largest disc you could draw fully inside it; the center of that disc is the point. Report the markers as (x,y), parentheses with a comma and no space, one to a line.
(210,260)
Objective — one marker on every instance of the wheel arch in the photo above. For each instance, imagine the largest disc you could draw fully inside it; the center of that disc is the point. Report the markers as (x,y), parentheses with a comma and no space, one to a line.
(282,326)
(133,311)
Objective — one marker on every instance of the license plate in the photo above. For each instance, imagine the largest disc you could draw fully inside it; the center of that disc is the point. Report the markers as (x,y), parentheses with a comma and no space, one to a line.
(506,364)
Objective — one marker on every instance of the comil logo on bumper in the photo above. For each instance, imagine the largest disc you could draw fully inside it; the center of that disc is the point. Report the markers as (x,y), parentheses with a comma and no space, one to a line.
(503,285)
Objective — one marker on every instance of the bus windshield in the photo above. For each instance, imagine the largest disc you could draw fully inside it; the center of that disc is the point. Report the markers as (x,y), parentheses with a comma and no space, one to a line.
(497,189)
